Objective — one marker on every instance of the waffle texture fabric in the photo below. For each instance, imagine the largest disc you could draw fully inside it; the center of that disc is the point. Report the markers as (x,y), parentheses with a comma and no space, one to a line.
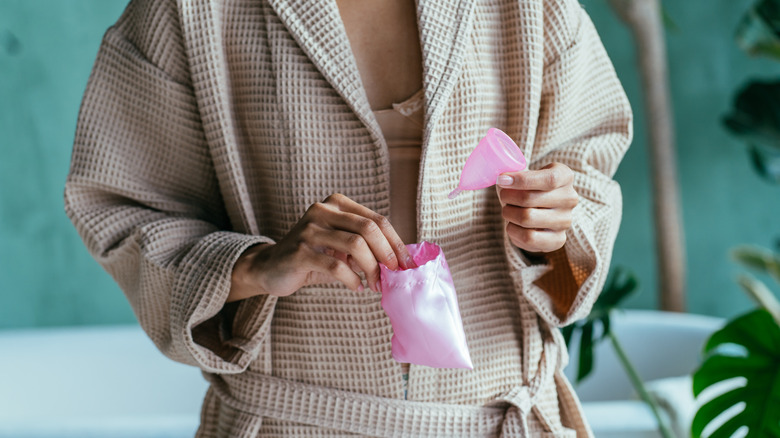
(208,127)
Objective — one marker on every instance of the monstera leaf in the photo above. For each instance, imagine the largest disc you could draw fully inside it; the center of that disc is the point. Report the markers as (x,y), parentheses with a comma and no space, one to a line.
(755,118)
(759,31)
(757,361)
(749,348)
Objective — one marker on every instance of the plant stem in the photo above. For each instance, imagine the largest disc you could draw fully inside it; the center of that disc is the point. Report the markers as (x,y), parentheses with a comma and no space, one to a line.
(639,386)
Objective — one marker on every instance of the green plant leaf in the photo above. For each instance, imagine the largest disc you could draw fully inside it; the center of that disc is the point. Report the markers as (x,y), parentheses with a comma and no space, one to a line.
(619,285)
(740,334)
(760,259)
(567,333)
(755,115)
(713,408)
(766,162)
(606,326)
(761,165)
(585,365)
(755,119)
(758,363)
(761,295)
(758,33)
(728,429)
(669,23)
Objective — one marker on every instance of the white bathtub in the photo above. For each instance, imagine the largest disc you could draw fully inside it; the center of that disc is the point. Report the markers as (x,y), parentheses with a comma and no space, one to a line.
(663,347)
(94,382)
(112,381)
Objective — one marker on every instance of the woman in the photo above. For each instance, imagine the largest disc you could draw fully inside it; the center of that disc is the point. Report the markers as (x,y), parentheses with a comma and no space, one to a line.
(235,162)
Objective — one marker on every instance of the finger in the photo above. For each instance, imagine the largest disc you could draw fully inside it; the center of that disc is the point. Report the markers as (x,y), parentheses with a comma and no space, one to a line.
(535,240)
(328,215)
(549,178)
(565,198)
(387,234)
(344,257)
(346,243)
(538,218)
(351,262)
(335,268)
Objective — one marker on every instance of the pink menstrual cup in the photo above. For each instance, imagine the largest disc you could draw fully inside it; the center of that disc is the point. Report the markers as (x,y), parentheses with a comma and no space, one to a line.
(495,154)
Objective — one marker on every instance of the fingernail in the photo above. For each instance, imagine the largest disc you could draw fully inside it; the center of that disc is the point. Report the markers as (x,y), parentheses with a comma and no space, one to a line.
(410,262)
(505,180)
(376,287)
(361,288)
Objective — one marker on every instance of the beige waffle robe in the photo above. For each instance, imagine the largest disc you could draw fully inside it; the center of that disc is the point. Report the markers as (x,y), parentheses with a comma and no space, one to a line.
(211,126)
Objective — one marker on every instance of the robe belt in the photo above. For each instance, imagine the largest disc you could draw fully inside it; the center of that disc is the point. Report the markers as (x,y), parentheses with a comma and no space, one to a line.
(262,395)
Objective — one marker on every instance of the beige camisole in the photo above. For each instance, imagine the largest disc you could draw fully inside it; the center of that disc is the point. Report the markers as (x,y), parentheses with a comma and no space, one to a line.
(402,127)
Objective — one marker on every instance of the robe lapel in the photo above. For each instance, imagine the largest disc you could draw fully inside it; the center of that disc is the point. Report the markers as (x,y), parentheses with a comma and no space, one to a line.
(317,27)
(444,28)
(204,45)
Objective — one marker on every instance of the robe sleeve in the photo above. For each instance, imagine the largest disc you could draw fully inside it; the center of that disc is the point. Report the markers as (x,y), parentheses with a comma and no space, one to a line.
(143,194)
(585,122)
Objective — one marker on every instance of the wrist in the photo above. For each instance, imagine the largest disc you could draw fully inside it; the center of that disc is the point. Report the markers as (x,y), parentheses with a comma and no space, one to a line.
(247,278)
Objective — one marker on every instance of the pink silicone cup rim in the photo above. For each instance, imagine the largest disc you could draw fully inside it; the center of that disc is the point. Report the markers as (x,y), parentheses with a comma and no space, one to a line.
(508,148)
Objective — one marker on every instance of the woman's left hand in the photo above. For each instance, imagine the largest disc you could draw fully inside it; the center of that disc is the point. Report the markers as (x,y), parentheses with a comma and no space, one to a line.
(538,205)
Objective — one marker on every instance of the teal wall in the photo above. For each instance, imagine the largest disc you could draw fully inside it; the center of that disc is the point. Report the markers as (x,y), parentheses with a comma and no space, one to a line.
(46,52)
(46,276)
(724,202)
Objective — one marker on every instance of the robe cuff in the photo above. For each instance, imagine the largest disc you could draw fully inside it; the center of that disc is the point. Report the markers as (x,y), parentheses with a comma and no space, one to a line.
(581,262)
(200,293)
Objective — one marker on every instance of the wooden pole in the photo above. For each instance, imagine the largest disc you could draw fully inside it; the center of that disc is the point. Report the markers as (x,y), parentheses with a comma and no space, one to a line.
(645,20)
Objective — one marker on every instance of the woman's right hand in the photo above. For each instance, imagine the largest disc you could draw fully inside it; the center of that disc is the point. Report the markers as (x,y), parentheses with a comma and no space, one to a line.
(333,241)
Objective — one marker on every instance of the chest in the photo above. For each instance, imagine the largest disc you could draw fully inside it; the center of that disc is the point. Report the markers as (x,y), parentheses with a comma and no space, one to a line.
(301,125)
(384,38)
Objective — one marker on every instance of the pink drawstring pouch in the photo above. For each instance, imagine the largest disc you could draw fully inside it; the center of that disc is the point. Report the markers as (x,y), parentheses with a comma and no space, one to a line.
(423,310)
